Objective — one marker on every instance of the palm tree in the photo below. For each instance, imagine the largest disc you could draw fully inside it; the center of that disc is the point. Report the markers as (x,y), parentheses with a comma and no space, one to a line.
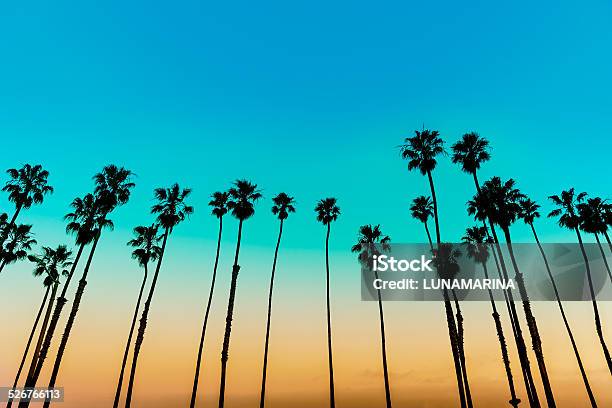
(51,263)
(17,244)
(568,218)
(27,186)
(368,239)
(421,151)
(529,212)
(328,212)
(112,188)
(219,209)
(283,206)
(592,213)
(470,153)
(504,211)
(147,250)
(81,222)
(171,210)
(422,209)
(476,241)
(242,197)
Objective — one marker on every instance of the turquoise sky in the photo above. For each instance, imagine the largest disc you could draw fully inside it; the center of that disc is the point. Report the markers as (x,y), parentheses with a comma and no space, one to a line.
(311,98)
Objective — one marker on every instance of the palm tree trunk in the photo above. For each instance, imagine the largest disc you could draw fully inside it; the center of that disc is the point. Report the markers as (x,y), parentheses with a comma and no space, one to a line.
(27,348)
(608,239)
(603,256)
(598,327)
(460,345)
(196,377)
(262,397)
(228,318)
(129,340)
(383,344)
(514,401)
(435,206)
(565,321)
(37,364)
(536,341)
(143,322)
(71,318)
(332,397)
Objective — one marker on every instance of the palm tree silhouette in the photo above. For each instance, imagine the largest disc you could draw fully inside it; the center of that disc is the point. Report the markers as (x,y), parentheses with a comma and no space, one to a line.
(27,186)
(327,212)
(368,239)
(421,151)
(422,209)
(504,210)
(18,241)
(529,212)
(81,222)
(592,214)
(242,197)
(283,206)
(567,212)
(112,188)
(471,152)
(475,239)
(219,209)
(147,250)
(51,264)
(171,210)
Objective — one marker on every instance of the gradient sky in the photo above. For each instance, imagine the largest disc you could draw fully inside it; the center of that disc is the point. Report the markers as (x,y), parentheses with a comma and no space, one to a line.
(310,98)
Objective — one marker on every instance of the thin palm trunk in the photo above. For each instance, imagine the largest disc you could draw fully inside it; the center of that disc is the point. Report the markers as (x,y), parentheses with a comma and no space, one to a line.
(129,339)
(608,239)
(460,345)
(536,341)
(565,321)
(514,401)
(71,318)
(196,377)
(228,318)
(37,364)
(262,397)
(598,327)
(27,348)
(603,256)
(383,344)
(450,319)
(143,322)
(332,397)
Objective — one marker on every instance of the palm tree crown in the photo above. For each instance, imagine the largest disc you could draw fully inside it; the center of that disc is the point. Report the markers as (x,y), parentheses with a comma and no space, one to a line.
(592,215)
(18,242)
(242,196)
(27,186)
(52,262)
(219,203)
(113,185)
(85,218)
(327,210)
(567,208)
(475,239)
(498,201)
(528,210)
(422,208)
(171,208)
(369,236)
(145,241)
(283,205)
(471,151)
(421,150)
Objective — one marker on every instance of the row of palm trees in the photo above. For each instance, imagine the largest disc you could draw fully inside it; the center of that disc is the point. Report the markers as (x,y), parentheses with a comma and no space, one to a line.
(496,204)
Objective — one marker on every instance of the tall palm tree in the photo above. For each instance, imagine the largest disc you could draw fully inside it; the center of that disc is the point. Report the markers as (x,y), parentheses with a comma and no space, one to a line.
(51,263)
(81,222)
(592,213)
(283,206)
(327,212)
(147,250)
(504,211)
(243,195)
(422,209)
(421,151)
(27,186)
(470,153)
(18,242)
(219,209)
(567,212)
(369,239)
(475,239)
(171,210)
(529,211)
(112,189)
